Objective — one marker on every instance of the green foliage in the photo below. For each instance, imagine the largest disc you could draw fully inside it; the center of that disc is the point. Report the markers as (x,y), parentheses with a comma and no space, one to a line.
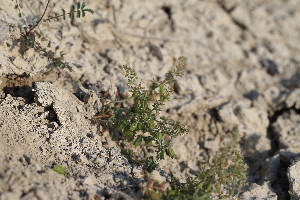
(18,7)
(225,172)
(141,124)
(31,35)
(80,12)
(59,169)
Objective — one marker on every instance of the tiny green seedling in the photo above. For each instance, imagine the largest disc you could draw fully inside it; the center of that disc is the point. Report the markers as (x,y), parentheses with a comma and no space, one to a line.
(59,169)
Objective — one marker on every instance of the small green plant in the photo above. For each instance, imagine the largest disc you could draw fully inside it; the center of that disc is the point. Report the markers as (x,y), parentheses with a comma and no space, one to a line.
(140,123)
(225,171)
(224,176)
(31,34)
(59,169)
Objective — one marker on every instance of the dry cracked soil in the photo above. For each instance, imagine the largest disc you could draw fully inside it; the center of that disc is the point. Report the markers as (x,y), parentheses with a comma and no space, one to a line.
(242,70)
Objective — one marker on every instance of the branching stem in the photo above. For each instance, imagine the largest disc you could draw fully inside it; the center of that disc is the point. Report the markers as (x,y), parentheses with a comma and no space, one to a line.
(39,19)
(58,16)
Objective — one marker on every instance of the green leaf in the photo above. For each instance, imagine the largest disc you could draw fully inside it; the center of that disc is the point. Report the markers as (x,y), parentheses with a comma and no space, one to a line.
(150,164)
(59,169)
(138,141)
(208,189)
(60,63)
(153,86)
(128,151)
(31,41)
(78,14)
(82,5)
(161,154)
(151,125)
(57,18)
(170,152)
(148,140)
(133,126)
(78,6)
(64,14)
(128,132)
(137,108)
(140,126)
(63,65)
(159,136)
(162,98)
(69,67)
(162,89)
(88,10)
(121,125)
(72,11)
(83,14)
(200,185)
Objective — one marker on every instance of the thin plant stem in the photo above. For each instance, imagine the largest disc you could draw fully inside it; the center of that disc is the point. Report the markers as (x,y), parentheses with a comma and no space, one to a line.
(39,19)
(58,16)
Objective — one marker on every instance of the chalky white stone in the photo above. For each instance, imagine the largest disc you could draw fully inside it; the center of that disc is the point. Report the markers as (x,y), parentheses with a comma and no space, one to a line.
(4,31)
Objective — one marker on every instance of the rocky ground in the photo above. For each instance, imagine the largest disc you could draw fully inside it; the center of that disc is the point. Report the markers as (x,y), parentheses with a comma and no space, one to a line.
(242,70)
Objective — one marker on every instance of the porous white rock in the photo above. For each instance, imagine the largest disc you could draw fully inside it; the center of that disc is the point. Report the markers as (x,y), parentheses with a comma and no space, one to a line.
(287,128)
(260,192)
(188,84)
(293,99)
(293,174)
(4,31)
